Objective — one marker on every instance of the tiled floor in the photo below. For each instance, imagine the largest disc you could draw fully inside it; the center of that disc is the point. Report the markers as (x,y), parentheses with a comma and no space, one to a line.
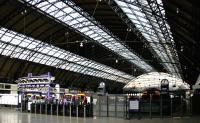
(11,116)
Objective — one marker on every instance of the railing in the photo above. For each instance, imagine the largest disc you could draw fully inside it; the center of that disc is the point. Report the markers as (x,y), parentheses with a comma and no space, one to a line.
(111,106)
(64,109)
(149,107)
(119,106)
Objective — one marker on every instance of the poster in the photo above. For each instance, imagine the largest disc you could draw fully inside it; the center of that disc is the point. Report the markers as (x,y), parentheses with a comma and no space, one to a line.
(134,105)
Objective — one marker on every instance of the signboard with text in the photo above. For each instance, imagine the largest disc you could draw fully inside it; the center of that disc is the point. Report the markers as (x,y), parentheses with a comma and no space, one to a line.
(164,86)
(134,105)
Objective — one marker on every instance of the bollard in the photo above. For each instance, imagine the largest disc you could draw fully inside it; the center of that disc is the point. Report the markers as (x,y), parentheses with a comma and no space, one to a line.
(51,109)
(70,110)
(84,110)
(191,107)
(21,105)
(35,108)
(99,104)
(26,106)
(57,105)
(161,107)
(115,106)
(40,108)
(127,108)
(64,109)
(124,107)
(181,106)
(107,105)
(171,107)
(31,108)
(150,104)
(77,111)
(45,108)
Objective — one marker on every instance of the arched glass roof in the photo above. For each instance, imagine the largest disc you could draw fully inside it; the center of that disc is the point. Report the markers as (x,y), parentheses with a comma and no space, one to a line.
(19,46)
(153,80)
(73,16)
(147,16)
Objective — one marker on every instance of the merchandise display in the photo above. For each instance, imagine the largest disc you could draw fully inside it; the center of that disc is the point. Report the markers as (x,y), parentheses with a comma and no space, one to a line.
(39,94)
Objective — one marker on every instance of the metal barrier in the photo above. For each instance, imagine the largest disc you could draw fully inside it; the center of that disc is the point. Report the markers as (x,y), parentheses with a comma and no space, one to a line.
(111,106)
(149,107)
(119,106)
(60,109)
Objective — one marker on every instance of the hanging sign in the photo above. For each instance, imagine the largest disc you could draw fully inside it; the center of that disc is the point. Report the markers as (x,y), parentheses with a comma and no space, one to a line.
(164,86)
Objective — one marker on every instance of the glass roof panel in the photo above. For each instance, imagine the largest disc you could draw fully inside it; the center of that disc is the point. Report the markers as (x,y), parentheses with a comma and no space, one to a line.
(6,38)
(97,38)
(85,29)
(99,30)
(51,55)
(67,18)
(24,44)
(31,46)
(142,18)
(89,32)
(43,4)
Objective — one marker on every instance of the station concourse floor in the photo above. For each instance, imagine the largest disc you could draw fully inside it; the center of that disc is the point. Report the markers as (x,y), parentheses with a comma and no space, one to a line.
(11,116)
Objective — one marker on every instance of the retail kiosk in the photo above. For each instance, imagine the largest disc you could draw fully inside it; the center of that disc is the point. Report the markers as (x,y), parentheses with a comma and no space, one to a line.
(39,94)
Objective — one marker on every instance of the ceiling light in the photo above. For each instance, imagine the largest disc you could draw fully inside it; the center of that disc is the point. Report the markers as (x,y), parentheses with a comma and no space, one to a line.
(81,44)
(116,61)
(23,12)
(177,10)
(128,29)
(66,33)
(182,48)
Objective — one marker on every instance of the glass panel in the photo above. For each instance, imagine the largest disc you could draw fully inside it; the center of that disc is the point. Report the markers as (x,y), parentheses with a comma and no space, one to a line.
(150,31)
(93,31)
(56,56)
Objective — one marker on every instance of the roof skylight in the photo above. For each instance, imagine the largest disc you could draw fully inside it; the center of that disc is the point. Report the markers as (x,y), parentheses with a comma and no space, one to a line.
(69,13)
(140,13)
(19,46)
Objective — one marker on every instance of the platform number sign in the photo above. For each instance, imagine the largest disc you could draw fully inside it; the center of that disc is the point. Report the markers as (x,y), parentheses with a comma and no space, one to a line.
(164,86)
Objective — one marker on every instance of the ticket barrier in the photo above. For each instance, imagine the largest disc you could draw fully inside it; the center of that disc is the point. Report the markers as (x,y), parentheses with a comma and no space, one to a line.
(61,109)
(23,105)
